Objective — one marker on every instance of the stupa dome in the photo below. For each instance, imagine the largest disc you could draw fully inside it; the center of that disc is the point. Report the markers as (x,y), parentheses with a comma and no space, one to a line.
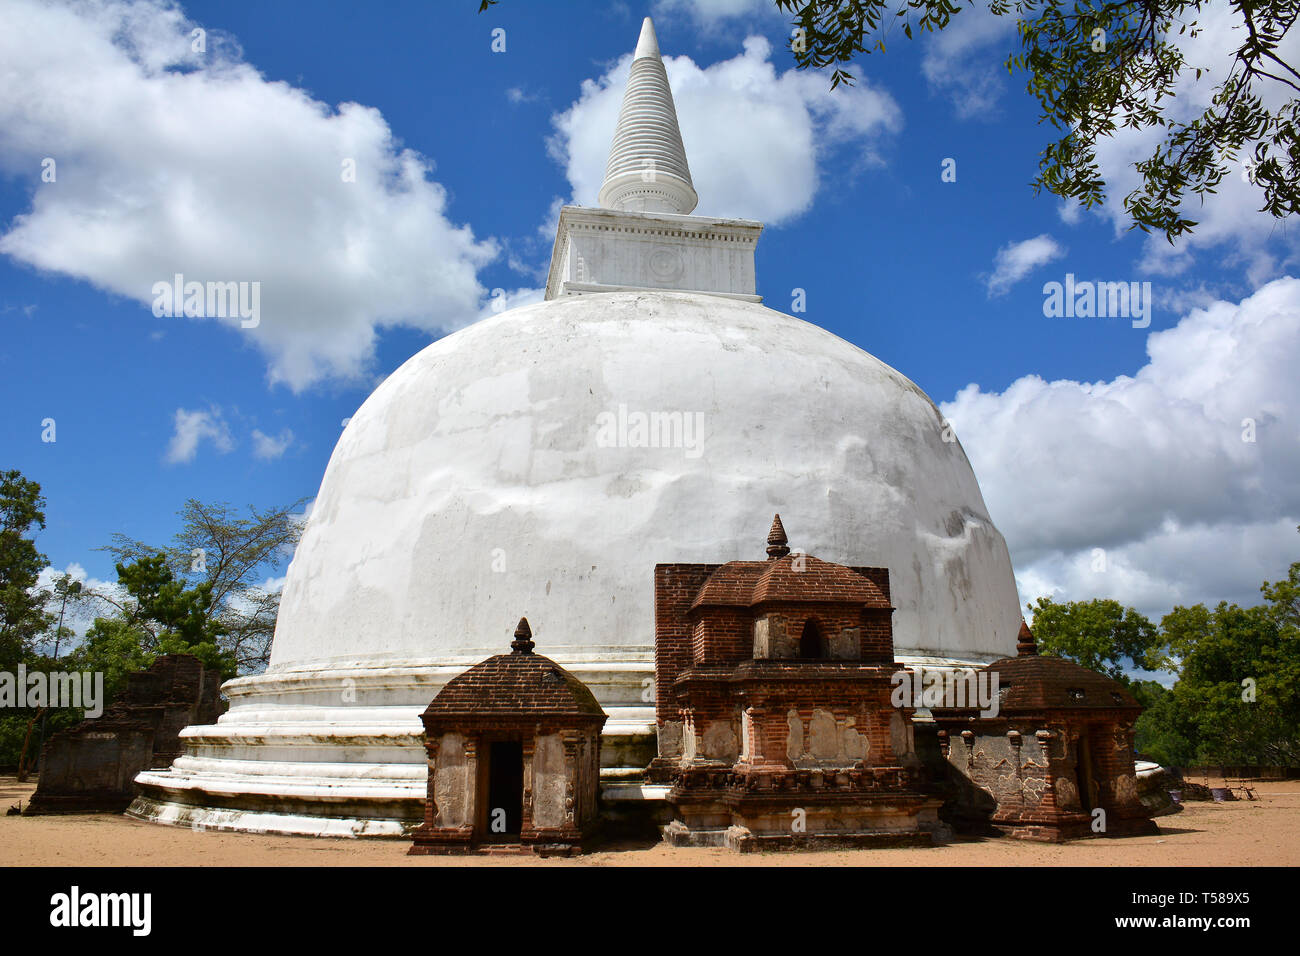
(542,462)
(490,473)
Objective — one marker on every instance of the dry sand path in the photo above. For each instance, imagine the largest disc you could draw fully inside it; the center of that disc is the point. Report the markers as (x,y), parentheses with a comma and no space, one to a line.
(1265,832)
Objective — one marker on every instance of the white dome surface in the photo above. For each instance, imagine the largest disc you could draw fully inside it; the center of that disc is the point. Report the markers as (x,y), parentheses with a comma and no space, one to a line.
(476,485)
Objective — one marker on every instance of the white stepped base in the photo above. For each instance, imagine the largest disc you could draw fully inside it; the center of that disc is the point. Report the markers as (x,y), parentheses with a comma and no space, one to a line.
(340,751)
(290,757)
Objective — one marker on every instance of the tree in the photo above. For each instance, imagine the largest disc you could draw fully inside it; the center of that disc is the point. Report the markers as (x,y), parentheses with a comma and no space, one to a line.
(67,591)
(23,616)
(1101,635)
(158,615)
(228,554)
(1240,676)
(1165,732)
(1100,67)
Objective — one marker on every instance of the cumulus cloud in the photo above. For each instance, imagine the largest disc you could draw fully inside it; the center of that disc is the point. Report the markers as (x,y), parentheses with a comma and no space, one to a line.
(1016,260)
(1177,484)
(966,61)
(96,600)
(754,137)
(268,447)
(174,161)
(713,14)
(194,427)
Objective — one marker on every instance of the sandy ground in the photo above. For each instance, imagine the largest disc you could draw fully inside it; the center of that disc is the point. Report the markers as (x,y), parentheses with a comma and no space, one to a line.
(1264,832)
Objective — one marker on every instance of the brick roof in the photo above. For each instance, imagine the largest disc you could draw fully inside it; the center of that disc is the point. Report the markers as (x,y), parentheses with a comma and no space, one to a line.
(747,583)
(520,683)
(1036,683)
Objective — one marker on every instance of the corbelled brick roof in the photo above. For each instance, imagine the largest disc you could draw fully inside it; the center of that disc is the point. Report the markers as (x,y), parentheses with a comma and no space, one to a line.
(747,583)
(1032,682)
(520,683)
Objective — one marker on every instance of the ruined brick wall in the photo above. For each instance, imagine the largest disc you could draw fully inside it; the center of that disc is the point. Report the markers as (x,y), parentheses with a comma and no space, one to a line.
(92,767)
(833,725)
(1023,774)
(1015,777)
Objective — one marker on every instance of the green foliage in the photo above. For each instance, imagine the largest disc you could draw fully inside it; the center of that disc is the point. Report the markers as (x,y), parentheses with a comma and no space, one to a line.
(1237,697)
(201,596)
(1240,677)
(222,554)
(1102,635)
(1165,731)
(22,607)
(1097,68)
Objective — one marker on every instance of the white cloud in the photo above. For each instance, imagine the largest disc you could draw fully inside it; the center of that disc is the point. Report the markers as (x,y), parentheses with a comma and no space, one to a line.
(170,161)
(1152,468)
(753,136)
(1016,260)
(966,61)
(268,447)
(503,300)
(80,612)
(518,95)
(713,14)
(192,428)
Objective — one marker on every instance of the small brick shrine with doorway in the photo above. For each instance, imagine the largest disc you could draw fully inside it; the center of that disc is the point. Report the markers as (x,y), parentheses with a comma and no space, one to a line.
(514,757)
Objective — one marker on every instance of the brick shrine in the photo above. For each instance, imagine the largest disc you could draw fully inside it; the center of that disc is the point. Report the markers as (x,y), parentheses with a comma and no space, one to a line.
(775,723)
(1060,747)
(513,748)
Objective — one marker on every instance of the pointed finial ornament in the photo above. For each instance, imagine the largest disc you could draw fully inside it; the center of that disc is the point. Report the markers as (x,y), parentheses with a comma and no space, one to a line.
(1026,646)
(647,169)
(777,541)
(523,642)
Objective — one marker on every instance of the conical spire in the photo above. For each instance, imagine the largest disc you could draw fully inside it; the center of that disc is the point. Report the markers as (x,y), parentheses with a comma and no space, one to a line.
(647,170)
(777,541)
(1026,646)
(523,642)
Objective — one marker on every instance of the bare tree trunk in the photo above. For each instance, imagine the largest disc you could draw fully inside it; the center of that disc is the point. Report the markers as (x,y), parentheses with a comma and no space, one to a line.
(23,769)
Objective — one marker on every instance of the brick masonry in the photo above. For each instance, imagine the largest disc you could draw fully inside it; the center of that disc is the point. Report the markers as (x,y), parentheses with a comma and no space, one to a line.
(773,705)
(91,768)
(1056,762)
(518,698)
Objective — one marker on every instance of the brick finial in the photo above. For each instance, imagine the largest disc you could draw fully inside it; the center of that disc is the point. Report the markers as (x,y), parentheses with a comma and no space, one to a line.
(523,642)
(1026,646)
(776,540)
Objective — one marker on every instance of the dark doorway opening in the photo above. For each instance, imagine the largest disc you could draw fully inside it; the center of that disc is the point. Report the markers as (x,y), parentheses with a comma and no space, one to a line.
(505,804)
(810,641)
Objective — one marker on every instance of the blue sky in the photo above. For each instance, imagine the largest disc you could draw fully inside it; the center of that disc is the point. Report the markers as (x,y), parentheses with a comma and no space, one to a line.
(225,164)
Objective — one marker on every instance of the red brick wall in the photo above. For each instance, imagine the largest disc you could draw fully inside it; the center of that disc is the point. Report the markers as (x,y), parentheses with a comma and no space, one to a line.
(722,635)
(675,588)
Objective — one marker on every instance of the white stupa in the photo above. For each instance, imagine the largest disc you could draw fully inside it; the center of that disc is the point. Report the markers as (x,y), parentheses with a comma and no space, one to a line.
(541,462)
